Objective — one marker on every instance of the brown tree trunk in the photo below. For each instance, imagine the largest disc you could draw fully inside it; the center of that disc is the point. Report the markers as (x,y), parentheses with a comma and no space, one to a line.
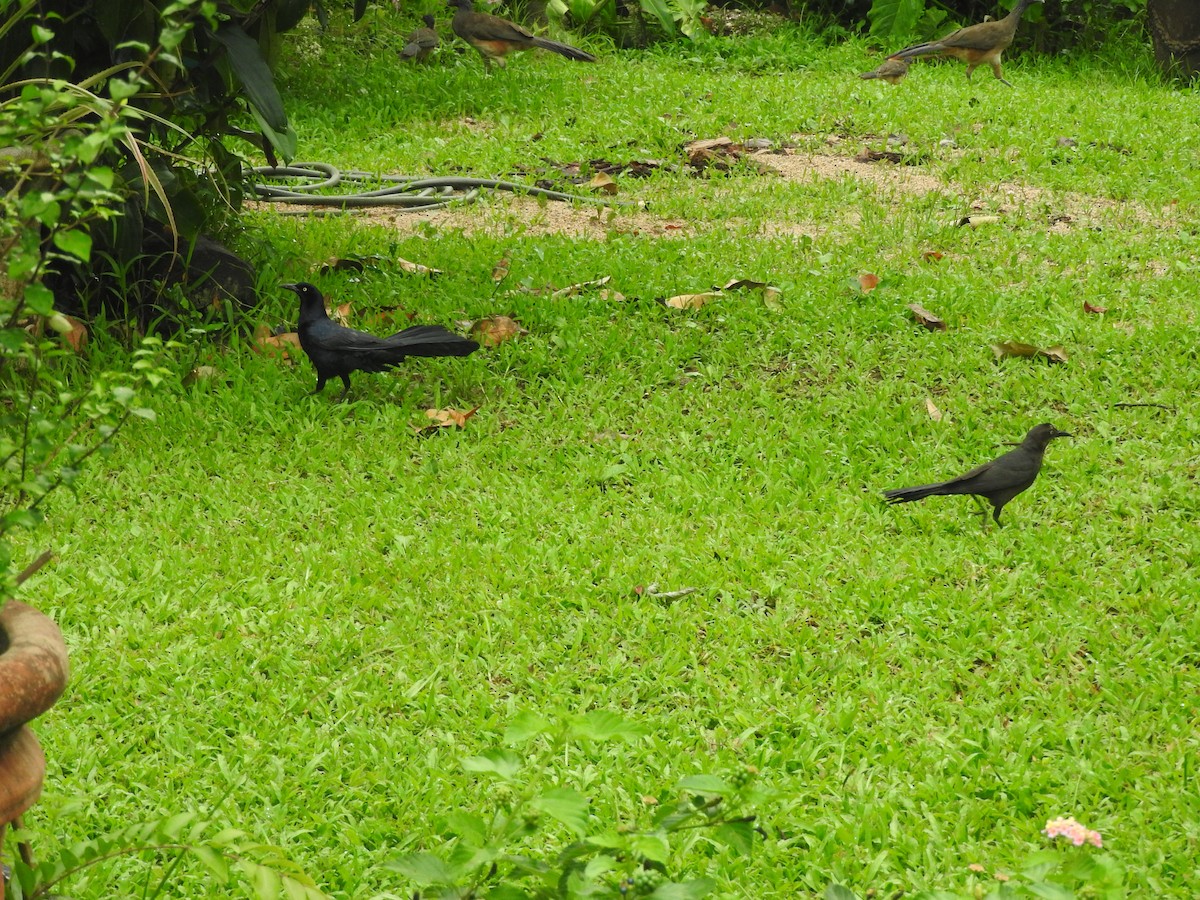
(1175,28)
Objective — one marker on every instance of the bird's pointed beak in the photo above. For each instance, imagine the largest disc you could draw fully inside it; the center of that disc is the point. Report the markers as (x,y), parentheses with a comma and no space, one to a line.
(1059,434)
(290,286)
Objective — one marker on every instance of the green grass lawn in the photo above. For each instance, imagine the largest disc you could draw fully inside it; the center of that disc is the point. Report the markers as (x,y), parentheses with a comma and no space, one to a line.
(305,610)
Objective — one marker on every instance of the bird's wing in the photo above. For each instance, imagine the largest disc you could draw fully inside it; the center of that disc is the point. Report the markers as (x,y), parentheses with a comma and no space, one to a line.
(337,337)
(492,28)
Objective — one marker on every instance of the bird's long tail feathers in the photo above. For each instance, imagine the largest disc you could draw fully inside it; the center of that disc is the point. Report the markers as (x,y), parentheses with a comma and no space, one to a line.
(918,50)
(431,340)
(909,494)
(563,50)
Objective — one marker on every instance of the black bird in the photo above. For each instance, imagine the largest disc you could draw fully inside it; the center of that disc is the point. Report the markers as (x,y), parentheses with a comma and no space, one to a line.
(997,481)
(336,351)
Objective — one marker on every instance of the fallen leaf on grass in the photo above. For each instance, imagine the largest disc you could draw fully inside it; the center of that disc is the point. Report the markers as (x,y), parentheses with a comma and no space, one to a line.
(691,301)
(932,255)
(284,346)
(340,314)
(500,270)
(445,418)
(346,263)
(1094,310)
(572,290)
(868,282)
(495,330)
(413,268)
(770,293)
(603,183)
(1055,354)
(931,408)
(926,318)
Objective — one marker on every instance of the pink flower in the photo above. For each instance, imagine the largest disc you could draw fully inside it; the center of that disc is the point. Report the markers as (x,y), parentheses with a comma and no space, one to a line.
(1074,832)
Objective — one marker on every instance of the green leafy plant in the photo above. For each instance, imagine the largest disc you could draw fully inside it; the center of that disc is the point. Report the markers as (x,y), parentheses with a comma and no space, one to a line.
(226,855)
(545,842)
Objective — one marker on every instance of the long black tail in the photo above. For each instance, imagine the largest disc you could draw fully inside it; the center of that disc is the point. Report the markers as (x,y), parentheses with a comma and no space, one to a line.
(920,492)
(431,340)
(563,49)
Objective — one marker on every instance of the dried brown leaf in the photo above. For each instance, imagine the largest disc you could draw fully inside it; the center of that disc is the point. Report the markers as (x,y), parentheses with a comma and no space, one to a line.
(926,318)
(1094,310)
(603,183)
(606,294)
(690,301)
(932,255)
(868,282)
(738,284)
(285,346)
(572,290)
(500,270)
(413,268)
(976,221)
(1013,348)
(495,330)
(445,418)
(340,314)
(931,408)
(1055,354)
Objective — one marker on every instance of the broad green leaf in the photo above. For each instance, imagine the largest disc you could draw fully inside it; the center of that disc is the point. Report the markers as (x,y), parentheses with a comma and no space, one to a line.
(524,726)
(839,892)
(598,866)
(894,19)
(254,75)
(284,141)
(661,12)
(39,298)
(738,835)
(1049,891)
(601,725)
(705,784)
(422,868)
(653,847)
(501,763)
(686,890)
(213,861)
(565,805)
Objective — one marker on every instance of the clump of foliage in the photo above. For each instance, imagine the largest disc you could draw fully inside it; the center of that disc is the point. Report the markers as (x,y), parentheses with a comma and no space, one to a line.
(546,843)
(225,854)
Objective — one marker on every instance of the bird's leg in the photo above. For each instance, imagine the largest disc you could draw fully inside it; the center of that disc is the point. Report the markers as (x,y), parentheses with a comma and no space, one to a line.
(346,389)
(996,72)
(982,509)
(320,386)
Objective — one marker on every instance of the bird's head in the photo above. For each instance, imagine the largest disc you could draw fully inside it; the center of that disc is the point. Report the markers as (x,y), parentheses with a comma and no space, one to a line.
(428,20)
(461,4)
(1043,434)
(312,301)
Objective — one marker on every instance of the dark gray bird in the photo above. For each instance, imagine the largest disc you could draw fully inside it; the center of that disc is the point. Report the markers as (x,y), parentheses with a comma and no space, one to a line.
(997,481)
(421,42)
(336,351)
(976,45)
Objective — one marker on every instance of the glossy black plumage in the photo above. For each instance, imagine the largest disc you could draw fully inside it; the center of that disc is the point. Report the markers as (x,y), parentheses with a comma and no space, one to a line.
(336,351)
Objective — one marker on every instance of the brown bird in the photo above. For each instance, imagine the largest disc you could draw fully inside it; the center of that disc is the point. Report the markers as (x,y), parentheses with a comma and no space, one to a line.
(494,37)
(890,70)
(997,481)
(976,45)
(421,42)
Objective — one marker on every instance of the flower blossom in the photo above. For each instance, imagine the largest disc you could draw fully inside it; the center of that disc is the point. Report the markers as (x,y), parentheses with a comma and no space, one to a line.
(1073,831)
